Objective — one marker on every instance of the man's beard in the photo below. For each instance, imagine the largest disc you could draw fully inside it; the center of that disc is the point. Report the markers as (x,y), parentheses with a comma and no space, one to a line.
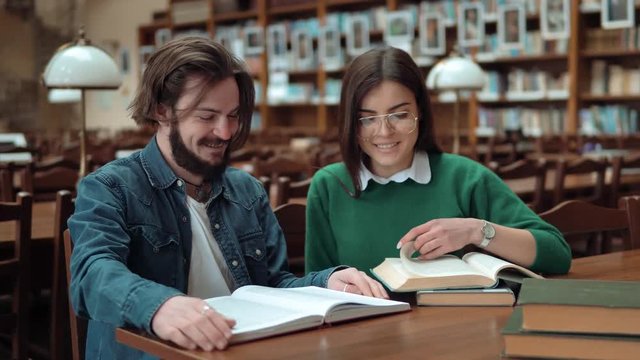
(189,161)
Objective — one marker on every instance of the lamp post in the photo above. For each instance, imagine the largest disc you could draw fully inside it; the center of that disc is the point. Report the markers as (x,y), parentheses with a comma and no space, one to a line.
(456,73)
(81,66)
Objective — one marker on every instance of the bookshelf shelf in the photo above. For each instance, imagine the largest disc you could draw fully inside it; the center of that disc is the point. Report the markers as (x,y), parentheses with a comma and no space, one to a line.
(504,102)
(613,53)
(293,9)
(190,25)
(235,16)
(630,98)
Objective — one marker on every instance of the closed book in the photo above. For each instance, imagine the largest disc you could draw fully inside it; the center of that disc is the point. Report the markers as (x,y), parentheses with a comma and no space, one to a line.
(581,306)
(473,270)
(501,296)
(519,342)
(261,311)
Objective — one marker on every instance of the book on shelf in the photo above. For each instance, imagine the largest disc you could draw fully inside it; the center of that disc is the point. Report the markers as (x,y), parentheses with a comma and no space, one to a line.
(499,296)
(519,342)
(262,311)
(473,270)
(581,306)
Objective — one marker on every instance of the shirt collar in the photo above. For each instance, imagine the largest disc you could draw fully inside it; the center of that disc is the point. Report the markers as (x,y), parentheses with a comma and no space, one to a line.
(420,172)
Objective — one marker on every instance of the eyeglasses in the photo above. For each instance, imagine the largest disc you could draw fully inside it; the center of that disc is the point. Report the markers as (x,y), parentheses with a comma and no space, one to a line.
(403,122)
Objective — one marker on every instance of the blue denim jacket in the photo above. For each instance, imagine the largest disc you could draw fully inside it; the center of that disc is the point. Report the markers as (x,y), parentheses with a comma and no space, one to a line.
(132,244)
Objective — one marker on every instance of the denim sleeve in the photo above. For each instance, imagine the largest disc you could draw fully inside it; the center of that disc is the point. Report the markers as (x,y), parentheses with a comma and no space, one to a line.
(278,268)
(102,287)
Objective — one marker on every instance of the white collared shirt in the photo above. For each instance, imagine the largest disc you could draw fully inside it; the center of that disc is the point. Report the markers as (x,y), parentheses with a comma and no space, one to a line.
(420,172)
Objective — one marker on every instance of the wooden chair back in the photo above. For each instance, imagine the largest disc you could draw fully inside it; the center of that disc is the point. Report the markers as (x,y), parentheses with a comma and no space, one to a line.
(292,220)
(526,169)
(15,273)
(632,205)
(77,323)
(60,344)
(282,165)
(624,173)
(588,225)
(45,179)
(581,167)
(7,188)
(285,190)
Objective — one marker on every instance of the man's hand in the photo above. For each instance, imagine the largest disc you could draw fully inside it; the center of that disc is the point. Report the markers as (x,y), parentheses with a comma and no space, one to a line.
(189,322)
(356,282)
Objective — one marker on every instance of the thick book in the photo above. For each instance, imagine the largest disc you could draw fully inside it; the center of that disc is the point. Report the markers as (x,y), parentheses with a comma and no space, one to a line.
(262,311)
(552,345)
(581,306)
(500,296)
(473,270)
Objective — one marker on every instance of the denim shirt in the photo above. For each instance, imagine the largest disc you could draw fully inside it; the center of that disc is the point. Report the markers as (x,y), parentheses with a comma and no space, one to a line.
(132,244)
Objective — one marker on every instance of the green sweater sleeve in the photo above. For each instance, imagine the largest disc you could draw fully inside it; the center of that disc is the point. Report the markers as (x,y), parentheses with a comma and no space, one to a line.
(495,202)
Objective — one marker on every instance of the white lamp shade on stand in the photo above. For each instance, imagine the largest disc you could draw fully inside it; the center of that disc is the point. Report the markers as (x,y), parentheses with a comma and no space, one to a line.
(456,73)
(80,66)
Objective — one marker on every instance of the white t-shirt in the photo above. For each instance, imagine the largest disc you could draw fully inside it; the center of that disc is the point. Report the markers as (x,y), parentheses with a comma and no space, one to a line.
(209,275)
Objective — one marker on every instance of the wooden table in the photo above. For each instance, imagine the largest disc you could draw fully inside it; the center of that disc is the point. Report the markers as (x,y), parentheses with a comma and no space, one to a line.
(425,332)
(42,223)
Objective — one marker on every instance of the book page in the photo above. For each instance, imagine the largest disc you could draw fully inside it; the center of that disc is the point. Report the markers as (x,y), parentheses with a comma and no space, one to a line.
(446,265)
(309,299)
(255,320)
(491,266)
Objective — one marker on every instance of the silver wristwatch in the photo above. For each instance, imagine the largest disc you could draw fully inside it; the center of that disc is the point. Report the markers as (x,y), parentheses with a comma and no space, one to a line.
(488,232)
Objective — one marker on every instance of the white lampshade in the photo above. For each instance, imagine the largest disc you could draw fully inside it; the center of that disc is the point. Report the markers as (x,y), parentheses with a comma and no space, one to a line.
(455,73)
(60,96)
(80,65)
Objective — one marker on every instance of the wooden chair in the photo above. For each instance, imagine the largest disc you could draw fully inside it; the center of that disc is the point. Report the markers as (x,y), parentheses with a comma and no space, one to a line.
(292,220)
(15,271)
(45,179)
(285,190)
(77,323)
(60,344)
(583,223)
(578,169)
(526,169)
(621,167)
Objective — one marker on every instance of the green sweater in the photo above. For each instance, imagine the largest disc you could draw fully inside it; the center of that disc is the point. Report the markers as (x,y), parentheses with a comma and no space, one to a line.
(362,232)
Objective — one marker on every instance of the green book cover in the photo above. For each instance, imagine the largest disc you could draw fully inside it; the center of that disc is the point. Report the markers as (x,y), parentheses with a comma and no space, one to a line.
(604,293)
(513,326)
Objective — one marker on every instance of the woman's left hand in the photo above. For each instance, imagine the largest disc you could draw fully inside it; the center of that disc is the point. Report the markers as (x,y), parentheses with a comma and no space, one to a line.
(441,236)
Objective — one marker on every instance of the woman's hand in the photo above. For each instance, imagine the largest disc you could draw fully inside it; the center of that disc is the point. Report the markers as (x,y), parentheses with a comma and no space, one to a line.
(441,236)
(356,282)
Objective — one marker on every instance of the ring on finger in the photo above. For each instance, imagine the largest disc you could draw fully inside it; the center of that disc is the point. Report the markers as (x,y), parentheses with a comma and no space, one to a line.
(344,289)
(204,310)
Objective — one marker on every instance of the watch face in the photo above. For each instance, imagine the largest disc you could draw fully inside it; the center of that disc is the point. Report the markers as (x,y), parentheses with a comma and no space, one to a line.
(488,230)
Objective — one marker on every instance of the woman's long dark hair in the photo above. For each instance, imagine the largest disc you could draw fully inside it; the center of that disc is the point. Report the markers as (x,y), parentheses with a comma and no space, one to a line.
(365,73)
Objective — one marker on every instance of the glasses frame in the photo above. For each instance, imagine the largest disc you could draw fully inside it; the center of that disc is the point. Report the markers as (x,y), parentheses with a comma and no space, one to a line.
(385,118)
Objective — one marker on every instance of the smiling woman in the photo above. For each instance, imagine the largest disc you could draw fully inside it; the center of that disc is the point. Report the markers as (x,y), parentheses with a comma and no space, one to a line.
(396,186)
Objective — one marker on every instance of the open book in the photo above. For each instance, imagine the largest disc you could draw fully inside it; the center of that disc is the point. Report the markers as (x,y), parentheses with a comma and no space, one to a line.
(262,311)
(474,270)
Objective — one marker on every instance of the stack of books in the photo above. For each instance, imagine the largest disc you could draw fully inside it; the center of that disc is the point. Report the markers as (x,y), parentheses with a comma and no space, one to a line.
(575,319)
(476,279)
